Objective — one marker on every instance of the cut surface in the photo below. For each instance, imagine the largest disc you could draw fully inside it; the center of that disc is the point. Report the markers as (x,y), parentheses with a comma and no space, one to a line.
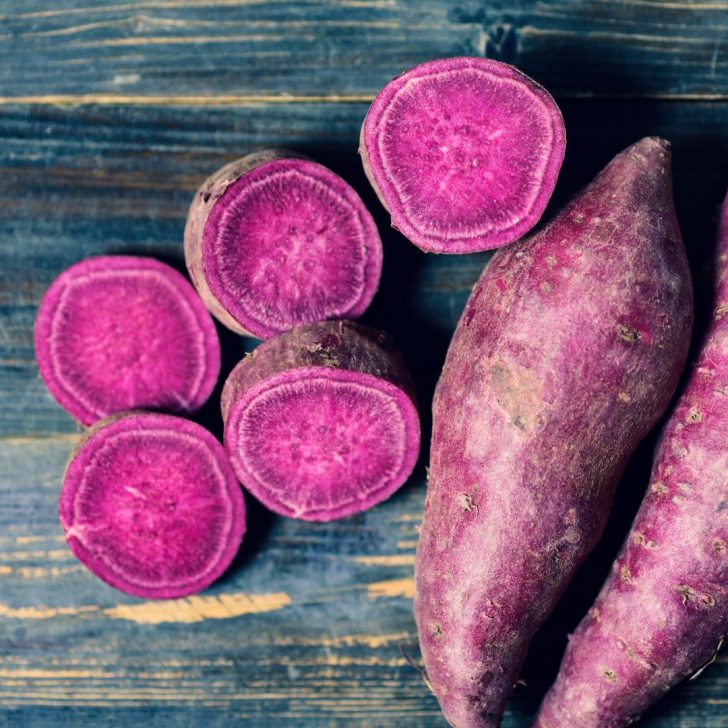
(116,333)
(464,153)
(320,444)
(288,243)
(150,505)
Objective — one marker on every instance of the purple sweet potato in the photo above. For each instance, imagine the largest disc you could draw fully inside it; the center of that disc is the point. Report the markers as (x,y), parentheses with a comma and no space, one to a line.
(321,421)
(150,505)
(275,240)
(463,152)
(567,353)
(663,613)
(120,332)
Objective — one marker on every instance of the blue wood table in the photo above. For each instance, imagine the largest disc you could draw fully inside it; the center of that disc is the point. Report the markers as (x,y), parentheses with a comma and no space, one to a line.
(111,113)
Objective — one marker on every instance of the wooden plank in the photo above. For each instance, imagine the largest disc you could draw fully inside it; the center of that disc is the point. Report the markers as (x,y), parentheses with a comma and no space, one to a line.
(79,182)
(305,629)
(110,114)
(295,632)
(231,51)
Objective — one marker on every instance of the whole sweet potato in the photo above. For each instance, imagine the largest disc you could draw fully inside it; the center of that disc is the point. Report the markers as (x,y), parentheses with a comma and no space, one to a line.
(663,613)
(567,353)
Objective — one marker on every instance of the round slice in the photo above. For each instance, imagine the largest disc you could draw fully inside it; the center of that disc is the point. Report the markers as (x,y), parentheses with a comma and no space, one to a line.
(274,240)
(321,421)
(464,153)
(150,505)
(121,332)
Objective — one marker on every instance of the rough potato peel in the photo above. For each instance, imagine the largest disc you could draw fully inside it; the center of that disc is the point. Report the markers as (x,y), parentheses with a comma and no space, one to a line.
(566,355)
(663,613)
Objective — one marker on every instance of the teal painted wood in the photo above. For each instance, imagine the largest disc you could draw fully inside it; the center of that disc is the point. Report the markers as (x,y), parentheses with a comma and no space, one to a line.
(90,180)
(306,627)
(349,48)
(79,181)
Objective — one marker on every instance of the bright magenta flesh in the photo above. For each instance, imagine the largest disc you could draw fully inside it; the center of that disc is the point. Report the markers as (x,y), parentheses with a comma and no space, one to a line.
(444,162)
(151,506)
(119,332)
(464,153)
(288,243)
(323,444)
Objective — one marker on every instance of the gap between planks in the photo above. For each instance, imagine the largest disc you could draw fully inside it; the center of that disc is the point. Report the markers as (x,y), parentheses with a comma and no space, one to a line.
(225,100)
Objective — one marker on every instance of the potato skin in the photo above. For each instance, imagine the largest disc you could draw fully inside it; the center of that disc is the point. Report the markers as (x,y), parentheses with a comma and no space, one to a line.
(339,344)
(568,351)
(333,353)
(663,613)
(206,196)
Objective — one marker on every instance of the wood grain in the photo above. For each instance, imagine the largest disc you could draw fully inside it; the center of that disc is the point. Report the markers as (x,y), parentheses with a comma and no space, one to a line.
(306,628)
(111,113)
(231,51)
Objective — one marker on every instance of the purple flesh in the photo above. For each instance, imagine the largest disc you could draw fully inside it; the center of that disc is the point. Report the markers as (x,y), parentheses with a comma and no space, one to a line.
(464,153)
(119,332)
(321,421)
(275,241)
(663,613)
(150,505)
(566,355)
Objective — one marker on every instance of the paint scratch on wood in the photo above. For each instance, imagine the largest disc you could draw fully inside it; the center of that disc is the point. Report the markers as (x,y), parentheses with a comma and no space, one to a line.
(39,674)
(392,588)
(396,560)
(336,660)
(136,6)
(197,609)
(35,439)
(176,40)
(40,572)
(43,612)
(35,539)
(51,555)
(408,518)
(157,100)
(192,609)
(374,641)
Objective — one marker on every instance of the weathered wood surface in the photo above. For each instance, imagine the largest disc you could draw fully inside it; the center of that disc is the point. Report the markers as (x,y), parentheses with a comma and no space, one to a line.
(110,115)
(346,49)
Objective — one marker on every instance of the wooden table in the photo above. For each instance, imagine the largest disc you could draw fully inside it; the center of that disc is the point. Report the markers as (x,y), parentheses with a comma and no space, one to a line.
(111,113)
